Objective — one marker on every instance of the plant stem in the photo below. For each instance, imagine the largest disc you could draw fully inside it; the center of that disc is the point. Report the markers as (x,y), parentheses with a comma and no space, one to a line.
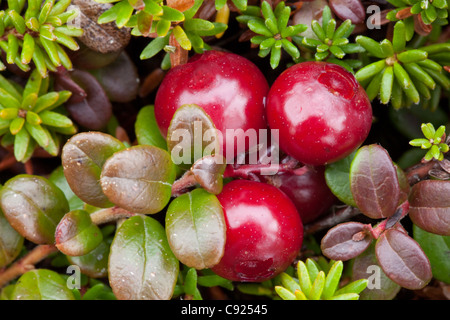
(400,213)
(26,263)
(331,220)
(110,214)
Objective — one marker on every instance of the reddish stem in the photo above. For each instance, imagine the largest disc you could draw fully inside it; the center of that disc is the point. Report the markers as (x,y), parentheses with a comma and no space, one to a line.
(400,213)
(26,263)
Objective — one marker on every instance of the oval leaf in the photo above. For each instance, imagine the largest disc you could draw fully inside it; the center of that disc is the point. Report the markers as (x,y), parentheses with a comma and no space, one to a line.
(199,137)
(196,229)
(339,242)
(41,284)
(429,207)
(11,242)
(33,206)
(95,110)
(374,182)
(83,157)
(95,263)
(402,259)
(141,264)
(76,234)
(139,179)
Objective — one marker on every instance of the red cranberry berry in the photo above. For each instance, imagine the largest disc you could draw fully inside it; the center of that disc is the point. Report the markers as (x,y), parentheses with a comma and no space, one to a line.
(230,88)
(264,231)
(308,191)
(321,111)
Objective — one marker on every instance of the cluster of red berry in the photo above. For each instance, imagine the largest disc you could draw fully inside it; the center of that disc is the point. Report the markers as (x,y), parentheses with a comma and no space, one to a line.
(321,114)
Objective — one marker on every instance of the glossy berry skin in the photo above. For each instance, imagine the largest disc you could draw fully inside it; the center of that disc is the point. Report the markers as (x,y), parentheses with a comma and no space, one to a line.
(230,88)
(321,111)
(264,231)
(309,192)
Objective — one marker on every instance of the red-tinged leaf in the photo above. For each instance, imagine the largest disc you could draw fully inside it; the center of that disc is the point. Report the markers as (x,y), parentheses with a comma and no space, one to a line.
(139,179)
(76,234)
(349,9)
(345,241)
(95,110)
(374,182)
(403,260)
(83,157)
(430,206)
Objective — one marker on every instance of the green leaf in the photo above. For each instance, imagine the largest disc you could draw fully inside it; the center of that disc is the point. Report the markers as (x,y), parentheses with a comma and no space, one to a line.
(435,247)
(411,56)
(42,284)
(275,54)
(337,177)
(303,278)
(147,130)
(145,186)
(13,49)
(58,178)
(34,206)
(11,242)
(95,263)
(332,280)
(38,134)
(371,46)
(28,49)
(141,264)
(182,38)
(22,145)
(82,157)
(172,14)
(18,21)
(284,293)
(406,83)
(370,70)
(155,46)
(399,36)
(195,25)
(386,84)
(257,26)
(76,234)
(289,283)
(240,4)
(16,125)
(190,282)
(195,228)
(317,286)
